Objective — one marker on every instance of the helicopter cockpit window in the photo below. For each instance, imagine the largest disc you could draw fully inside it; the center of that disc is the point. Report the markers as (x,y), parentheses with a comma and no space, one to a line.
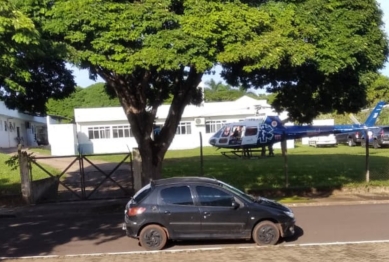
(251,131)
(226,132)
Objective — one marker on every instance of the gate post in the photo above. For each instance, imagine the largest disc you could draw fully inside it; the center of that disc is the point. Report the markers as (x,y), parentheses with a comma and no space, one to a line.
(25,178)
(137,169)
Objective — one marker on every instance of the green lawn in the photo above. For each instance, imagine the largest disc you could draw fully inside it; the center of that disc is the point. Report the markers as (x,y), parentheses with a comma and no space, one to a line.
(333,167)
(10,179)
(308,167)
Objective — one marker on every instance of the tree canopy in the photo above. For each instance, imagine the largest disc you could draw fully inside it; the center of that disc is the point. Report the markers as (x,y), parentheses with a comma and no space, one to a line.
(89,97)
(315,55)
(378,90)
(32,67)
(321,61)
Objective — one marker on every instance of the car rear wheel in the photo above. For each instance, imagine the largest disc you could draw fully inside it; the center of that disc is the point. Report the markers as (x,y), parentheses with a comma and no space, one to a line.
(351,142)
(153,237)
(266,233)
(375,144)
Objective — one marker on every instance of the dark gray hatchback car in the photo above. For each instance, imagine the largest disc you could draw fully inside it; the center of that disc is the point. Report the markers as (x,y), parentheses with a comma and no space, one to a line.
(198,208)
(378,137)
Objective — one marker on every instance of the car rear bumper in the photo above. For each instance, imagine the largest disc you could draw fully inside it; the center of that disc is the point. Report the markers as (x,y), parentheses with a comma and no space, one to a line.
(132,228)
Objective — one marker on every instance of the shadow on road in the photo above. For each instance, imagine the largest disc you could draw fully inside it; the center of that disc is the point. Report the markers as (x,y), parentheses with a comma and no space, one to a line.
(40,236)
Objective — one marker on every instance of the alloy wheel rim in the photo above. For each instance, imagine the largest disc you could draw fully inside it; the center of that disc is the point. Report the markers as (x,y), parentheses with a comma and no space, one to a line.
(266,234)
(153,238)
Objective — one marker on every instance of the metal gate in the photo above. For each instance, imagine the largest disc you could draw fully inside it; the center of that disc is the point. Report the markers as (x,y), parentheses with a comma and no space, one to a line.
(83,178)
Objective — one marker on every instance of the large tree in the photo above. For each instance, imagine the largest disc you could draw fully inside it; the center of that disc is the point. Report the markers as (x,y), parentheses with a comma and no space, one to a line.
(148,51)
(378,90)
(32,67)
(343,43)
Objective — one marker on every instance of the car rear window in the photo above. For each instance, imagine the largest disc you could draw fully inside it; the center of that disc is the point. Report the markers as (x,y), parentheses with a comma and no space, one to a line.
(142,193)
(386,129)
(178,195)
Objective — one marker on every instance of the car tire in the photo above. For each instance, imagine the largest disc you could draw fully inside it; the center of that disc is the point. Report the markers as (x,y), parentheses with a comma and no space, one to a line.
(350,142)
(153,237)
(375,144)
(266,233)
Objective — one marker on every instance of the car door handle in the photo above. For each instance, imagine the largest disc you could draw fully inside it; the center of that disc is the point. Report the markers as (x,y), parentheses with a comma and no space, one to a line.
(207,213)
(167,212)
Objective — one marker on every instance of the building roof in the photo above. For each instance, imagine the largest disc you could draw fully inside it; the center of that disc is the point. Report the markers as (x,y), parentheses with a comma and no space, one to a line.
(241,107)
(15,114)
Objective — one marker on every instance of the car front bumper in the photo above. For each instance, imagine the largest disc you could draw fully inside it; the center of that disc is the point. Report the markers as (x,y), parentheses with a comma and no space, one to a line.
(287,229)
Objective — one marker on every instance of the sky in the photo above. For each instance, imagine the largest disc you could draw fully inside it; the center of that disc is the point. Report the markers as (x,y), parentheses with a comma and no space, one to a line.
(82,76)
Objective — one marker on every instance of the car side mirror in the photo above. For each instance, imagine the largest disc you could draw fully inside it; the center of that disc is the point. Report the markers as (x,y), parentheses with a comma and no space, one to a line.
(235,205)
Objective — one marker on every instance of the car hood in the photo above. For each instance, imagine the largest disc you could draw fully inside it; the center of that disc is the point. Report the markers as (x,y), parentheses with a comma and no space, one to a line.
(271,203)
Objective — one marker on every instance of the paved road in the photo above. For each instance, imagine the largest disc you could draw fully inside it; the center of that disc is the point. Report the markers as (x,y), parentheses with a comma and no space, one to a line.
(32,236)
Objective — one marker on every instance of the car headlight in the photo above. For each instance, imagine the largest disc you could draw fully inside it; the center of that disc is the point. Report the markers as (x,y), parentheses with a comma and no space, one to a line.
(289,214)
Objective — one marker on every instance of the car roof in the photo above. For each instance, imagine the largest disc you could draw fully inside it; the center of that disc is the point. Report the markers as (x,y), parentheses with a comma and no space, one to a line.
(180,180)
(377,128)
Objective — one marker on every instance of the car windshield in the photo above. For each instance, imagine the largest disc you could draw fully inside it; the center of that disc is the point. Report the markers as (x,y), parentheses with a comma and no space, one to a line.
(237,192)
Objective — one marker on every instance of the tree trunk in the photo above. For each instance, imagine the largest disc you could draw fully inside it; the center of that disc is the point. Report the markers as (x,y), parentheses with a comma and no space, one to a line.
(134,95)
(152,158)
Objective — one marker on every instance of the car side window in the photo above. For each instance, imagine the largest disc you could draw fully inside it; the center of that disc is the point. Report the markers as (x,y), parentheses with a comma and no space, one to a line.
(179,195)
(210,196)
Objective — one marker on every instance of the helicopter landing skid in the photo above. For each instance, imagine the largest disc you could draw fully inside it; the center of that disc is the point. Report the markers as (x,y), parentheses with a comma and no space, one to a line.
(245,154)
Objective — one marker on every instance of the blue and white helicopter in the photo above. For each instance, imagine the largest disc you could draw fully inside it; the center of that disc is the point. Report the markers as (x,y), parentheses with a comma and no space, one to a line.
(244,137)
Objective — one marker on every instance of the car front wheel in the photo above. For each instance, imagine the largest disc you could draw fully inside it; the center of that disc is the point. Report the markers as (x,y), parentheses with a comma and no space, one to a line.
(153,237)
(266,233)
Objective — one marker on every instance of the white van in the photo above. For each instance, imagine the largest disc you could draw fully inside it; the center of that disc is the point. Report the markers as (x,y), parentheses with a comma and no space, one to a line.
(318,141)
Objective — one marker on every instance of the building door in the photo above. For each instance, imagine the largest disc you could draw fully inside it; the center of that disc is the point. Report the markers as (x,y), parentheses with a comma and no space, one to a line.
(19,139)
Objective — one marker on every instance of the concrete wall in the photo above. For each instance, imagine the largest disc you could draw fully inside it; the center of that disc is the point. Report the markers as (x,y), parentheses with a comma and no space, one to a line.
(63,139)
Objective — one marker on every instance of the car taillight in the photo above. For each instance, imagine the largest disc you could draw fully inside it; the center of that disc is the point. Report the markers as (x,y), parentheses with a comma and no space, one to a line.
(382,132)
(133,211)
(357,134)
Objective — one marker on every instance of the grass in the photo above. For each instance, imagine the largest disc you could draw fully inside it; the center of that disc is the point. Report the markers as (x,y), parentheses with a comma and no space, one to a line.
(332,167)
(10,179)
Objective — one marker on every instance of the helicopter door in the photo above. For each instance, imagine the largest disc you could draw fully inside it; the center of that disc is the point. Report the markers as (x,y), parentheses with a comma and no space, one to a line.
(250,135)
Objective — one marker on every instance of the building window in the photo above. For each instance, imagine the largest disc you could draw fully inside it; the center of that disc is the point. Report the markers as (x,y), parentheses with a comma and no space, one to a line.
(5,126)
(213,126)
(121,131)
(99,132)
(1,125)
(184,128)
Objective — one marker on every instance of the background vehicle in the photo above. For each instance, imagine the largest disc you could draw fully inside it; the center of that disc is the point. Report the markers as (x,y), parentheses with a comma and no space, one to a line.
(319,141)
(378,137)
(351,138)
(203,208)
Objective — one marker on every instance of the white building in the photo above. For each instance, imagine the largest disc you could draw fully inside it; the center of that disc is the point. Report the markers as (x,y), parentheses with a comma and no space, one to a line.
(106,130)
(18,127)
